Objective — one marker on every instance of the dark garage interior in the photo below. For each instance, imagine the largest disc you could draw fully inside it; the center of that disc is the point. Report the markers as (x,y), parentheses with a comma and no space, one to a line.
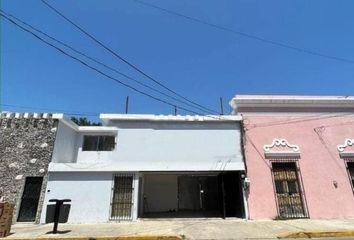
(198,195)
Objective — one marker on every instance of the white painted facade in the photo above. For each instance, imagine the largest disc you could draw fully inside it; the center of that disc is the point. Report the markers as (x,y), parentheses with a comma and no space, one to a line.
(144,143)
(90,194)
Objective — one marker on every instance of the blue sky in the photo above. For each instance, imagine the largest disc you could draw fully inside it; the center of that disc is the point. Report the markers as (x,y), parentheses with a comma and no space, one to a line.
(198,61)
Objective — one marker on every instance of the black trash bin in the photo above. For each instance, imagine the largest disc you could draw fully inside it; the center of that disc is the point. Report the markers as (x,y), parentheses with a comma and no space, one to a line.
(58,212)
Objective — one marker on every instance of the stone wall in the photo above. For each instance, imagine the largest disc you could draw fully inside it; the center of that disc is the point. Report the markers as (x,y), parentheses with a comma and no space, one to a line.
(26,146)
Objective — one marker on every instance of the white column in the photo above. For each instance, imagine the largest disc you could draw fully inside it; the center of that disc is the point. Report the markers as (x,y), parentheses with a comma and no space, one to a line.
(135,197)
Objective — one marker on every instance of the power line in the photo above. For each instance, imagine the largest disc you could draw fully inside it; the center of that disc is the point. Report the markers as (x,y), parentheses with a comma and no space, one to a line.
(319,133)
(69,112)
(256,149)
(123,59)
(246,35)
(103,64)
(97,70)
(336,125)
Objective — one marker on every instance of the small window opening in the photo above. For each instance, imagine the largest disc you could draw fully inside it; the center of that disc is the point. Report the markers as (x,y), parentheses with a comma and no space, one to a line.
(98,143)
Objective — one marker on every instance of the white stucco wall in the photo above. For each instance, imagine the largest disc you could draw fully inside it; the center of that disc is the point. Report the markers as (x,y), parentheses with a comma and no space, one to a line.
(65,147)
(90,195)
(165,146)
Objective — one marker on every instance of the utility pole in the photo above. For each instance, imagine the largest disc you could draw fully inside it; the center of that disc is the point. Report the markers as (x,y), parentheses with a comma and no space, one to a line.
(126,104)
(175,111)
(221,107)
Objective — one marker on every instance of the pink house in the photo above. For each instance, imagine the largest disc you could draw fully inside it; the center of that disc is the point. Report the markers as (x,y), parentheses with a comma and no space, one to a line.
(299,155)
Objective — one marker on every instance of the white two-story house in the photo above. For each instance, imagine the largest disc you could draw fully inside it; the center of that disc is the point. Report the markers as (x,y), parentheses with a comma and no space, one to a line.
(150,166)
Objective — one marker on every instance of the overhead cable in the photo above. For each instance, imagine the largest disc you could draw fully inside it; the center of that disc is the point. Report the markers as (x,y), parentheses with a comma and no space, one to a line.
(114,53)
(103,64)
(96,69)
(246,35)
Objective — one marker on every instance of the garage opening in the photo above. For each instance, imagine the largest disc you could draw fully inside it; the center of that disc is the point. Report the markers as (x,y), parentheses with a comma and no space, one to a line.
(184,195)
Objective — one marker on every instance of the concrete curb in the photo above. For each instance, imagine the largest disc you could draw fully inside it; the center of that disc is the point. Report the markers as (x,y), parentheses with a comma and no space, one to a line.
(318,234)
(53,237)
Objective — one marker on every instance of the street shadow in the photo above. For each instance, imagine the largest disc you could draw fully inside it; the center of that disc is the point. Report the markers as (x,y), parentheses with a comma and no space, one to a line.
(59,232)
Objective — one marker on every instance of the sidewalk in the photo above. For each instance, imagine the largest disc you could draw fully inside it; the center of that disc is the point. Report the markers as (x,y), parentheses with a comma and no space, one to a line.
(188,228)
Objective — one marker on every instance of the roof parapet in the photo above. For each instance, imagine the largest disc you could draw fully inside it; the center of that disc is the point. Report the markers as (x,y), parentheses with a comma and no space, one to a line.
(171,118)
(30,115)
(288,103)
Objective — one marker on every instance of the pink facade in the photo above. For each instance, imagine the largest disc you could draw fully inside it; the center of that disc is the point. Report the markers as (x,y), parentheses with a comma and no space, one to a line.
(323,176)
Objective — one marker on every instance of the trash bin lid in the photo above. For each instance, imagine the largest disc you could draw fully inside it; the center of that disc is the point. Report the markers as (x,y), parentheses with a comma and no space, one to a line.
(59,200)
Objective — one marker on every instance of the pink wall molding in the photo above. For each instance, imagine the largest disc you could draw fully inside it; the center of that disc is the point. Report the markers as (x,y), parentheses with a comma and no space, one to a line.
(343,153)
(272,150)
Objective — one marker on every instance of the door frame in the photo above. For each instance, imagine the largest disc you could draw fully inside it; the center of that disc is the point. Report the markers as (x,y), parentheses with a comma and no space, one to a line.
(133,197)
(20,199)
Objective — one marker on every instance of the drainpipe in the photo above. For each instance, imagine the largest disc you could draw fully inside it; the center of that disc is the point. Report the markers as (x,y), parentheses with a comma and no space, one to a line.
(245,190)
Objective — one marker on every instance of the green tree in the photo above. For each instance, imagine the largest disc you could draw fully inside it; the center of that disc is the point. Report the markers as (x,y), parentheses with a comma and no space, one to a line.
(82,121)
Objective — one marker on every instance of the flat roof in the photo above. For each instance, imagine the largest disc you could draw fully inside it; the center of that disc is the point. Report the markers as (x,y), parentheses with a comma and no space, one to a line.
(293,97)
(245,103)
(171,118)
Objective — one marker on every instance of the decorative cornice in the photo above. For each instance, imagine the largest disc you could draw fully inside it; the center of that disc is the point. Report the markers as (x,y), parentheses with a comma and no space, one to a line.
(278,103)
(294,149)
(347,142)
(280,142)
(341,149)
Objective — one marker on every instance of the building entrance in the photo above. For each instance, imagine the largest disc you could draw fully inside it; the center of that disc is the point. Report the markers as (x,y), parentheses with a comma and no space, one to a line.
(183,195)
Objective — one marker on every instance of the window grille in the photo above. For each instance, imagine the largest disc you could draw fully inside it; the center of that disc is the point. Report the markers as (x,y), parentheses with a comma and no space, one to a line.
(288,189)
(122,199)
(350,169)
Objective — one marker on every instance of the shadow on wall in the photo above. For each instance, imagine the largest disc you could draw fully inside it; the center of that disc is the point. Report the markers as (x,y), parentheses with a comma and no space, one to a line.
(80,176)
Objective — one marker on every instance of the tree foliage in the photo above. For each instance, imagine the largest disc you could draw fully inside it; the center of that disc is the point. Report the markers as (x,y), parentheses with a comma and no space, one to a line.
(82,121)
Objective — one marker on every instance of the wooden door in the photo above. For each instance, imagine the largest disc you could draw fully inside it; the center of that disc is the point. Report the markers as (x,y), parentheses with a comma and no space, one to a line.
(288,191)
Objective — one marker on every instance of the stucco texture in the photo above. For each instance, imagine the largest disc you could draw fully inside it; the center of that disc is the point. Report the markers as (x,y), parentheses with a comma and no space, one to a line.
(326,184)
